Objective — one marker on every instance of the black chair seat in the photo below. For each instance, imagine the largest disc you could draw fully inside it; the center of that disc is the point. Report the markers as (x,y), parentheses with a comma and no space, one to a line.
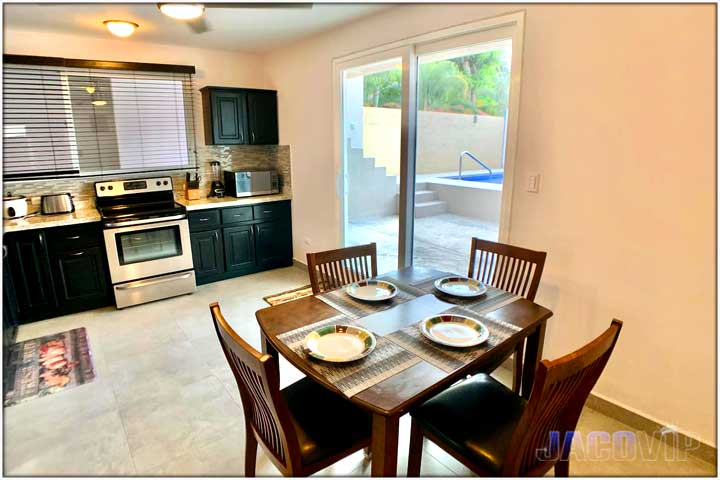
(326,423)
(476,417)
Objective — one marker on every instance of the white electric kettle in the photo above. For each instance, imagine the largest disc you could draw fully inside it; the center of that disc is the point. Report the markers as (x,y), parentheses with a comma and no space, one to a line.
(14,206)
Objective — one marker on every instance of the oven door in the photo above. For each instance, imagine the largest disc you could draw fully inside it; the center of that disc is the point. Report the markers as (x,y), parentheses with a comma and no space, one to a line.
(147,250)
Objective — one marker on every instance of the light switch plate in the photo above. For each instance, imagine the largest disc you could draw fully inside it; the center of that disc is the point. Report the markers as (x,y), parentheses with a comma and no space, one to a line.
(533,184)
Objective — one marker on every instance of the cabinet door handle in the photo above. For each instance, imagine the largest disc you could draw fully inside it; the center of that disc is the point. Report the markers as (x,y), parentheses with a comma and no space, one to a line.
(77,254)
(252,134)
(203,219)
(215,234)
(238,215)
(75,237)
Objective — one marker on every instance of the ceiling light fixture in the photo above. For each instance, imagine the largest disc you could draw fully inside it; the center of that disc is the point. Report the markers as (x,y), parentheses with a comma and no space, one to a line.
(121,28)
(182,11)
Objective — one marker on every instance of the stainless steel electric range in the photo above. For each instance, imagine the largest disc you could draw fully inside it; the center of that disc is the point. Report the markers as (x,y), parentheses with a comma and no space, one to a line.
(147,240)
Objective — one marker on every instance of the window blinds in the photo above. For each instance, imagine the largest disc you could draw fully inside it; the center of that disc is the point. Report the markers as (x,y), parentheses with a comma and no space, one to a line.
(62,120)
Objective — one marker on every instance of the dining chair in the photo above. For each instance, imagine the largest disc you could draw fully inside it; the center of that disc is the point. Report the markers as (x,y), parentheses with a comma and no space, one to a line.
(335,268)
(514,269)
(304,427)
(495,432)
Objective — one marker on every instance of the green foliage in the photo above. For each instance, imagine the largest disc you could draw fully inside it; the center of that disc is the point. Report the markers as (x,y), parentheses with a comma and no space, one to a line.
(469,84)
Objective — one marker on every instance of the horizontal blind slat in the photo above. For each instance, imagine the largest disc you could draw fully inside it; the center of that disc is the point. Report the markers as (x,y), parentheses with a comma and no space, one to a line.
(140,121)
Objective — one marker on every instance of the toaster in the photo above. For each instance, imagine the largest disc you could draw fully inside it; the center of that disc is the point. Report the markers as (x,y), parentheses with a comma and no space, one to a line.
(248,183)
(56,203)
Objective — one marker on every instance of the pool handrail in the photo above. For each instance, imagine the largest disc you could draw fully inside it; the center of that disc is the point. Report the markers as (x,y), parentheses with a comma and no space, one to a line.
(473,157)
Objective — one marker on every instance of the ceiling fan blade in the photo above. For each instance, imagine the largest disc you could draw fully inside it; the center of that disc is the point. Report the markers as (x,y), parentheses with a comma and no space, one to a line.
(260,5)
(199,25)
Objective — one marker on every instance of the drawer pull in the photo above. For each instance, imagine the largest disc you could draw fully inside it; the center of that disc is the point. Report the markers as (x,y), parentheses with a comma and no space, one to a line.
(77,254)
(203,219)
(239,215)
(267,211)
(75,237)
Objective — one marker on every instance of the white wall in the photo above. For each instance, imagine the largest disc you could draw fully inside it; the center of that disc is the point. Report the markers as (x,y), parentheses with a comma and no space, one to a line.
(617,114)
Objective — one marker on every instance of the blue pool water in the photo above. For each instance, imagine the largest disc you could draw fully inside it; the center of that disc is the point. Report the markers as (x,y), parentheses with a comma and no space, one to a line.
(480,177)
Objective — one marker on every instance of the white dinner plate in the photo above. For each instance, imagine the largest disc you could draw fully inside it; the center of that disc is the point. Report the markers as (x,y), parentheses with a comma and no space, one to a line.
(339,343)
(460,286)
(372,290)
(454,330)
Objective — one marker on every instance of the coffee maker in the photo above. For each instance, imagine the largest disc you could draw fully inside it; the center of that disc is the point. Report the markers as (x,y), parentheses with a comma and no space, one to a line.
(217,189)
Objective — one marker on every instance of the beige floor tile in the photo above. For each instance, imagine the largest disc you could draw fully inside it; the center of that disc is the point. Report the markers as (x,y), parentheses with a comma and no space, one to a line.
(165,402)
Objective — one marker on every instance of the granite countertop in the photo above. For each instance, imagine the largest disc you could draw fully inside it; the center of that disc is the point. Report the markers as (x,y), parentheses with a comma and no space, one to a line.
(81,215)
(212,202)
(90,214)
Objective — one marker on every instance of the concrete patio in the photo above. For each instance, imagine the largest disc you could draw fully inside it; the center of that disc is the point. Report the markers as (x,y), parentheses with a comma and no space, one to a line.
(441,241)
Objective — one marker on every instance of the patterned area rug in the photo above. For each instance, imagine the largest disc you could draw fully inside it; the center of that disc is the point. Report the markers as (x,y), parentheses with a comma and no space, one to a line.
(47,365)
(288,296)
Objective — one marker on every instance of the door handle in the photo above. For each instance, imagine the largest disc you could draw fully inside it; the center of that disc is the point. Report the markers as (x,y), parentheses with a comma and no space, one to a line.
(145,283)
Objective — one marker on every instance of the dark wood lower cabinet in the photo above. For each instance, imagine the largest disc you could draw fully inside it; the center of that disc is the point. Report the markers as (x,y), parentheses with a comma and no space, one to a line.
(29,263)
(80,278)
(207,253)
(236,244)
(274,244)
(239,245)
(57,271)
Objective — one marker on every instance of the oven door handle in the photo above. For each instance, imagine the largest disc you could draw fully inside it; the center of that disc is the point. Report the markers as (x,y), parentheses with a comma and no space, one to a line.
(144,221)
(145,283)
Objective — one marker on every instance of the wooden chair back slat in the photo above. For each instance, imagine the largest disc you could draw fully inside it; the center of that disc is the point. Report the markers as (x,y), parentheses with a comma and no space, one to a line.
(560,390)
(514,269)
(335,268)
(259,385)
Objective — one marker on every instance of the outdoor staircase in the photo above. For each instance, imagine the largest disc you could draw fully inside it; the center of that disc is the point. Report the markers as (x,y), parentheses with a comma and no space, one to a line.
(427,203)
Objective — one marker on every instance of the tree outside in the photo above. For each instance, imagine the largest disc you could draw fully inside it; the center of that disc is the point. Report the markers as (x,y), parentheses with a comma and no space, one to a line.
(476,84)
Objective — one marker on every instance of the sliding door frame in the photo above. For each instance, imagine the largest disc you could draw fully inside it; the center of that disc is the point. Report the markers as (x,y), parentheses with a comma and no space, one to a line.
(406,50)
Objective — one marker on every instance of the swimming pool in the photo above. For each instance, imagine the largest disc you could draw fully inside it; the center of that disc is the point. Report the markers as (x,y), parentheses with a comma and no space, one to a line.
(480,177)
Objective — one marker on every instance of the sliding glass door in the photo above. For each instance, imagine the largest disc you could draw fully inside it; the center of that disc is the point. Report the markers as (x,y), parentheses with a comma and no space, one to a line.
(462,111)
(427,141)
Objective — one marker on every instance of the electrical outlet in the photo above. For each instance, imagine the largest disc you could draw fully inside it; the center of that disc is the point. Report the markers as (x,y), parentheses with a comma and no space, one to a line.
(533,184)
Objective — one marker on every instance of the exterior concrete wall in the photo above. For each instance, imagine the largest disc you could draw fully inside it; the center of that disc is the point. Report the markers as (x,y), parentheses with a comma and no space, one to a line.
(441,139)
(473,202)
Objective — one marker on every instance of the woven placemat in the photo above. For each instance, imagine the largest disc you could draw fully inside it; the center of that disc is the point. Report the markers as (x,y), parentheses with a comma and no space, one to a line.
(450,359)
(344,303)
(351,378)
(493,299)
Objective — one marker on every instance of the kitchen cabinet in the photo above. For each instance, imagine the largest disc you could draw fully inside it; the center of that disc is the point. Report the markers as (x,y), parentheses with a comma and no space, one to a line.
(57,271)
(262,117)
(254,238)
(81,279)
(274,244)
(29,263)
(10,310)
(239,116)
(207,253)
(239,243)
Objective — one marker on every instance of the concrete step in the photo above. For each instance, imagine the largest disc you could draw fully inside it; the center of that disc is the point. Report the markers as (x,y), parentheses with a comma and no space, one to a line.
(428,209)
(422,196)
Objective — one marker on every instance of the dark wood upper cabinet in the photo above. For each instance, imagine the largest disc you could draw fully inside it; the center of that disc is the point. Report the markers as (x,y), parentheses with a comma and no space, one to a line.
(262,117)
(239,116)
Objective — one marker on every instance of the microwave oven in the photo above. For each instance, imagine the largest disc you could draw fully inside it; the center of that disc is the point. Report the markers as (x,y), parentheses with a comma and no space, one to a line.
(248,183)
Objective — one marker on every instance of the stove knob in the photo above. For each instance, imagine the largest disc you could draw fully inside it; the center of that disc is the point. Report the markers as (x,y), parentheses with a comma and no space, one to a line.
(165,182)
(157,183)
(110,187)
(102,189)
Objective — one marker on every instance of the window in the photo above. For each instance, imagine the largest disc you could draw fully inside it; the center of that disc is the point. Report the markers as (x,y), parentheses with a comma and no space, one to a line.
(62,120)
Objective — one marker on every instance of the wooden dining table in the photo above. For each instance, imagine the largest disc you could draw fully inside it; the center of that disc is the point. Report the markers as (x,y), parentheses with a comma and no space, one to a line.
(393,397)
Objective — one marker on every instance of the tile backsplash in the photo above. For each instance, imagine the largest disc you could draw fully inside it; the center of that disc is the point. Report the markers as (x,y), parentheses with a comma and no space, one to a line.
(231,157)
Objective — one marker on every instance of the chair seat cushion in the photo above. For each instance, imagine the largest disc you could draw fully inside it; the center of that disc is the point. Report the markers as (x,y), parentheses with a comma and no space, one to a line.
(475,418)
(326,423)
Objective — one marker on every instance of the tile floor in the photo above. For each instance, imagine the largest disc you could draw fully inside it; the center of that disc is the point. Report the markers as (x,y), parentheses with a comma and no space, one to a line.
(433,247)
(164,401)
